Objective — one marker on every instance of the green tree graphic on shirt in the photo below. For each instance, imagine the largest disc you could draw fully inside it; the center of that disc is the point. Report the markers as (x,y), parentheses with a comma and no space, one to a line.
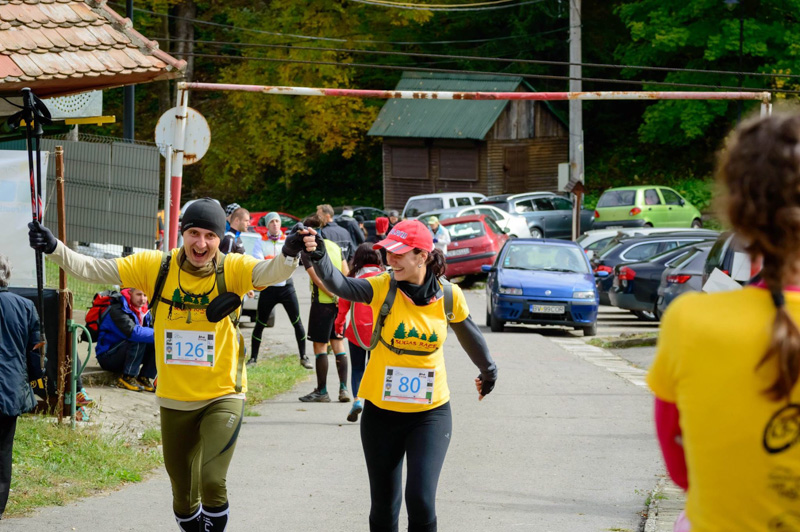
(204,300)
(433,337)
(423,337)
(400,333)
(176,296)
(413,333)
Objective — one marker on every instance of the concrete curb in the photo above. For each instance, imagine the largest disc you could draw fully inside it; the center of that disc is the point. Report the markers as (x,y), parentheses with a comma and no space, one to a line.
(630,342)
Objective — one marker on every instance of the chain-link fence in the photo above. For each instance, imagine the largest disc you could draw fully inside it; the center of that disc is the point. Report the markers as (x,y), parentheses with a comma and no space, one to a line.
(112,189)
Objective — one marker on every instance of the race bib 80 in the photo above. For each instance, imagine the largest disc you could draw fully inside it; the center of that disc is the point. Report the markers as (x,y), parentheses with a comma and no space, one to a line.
(189,348)
(409,385)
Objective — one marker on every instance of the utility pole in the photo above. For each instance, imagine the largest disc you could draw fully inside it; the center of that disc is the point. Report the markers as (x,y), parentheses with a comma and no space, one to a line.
(575,109)
(128,92)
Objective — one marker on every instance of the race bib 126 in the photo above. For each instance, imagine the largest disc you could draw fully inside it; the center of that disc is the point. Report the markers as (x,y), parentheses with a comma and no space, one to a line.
(189,348)
(408,385)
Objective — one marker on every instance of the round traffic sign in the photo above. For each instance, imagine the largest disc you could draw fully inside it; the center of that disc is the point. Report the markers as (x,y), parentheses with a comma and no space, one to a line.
(196,140)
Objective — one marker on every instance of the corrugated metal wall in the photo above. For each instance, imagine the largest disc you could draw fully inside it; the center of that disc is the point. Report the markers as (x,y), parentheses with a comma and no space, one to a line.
(111,191)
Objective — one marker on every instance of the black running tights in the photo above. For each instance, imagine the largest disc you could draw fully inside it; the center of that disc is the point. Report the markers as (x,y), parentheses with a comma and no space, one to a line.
(388,437)
(269,298)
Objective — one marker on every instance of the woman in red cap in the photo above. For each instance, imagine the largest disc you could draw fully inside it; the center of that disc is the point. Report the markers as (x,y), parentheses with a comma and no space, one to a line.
(407,409)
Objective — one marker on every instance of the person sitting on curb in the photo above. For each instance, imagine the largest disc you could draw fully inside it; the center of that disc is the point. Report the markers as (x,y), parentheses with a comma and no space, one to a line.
(125,342)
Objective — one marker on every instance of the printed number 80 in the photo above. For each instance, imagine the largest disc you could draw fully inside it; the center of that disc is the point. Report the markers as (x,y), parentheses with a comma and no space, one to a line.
(404,385)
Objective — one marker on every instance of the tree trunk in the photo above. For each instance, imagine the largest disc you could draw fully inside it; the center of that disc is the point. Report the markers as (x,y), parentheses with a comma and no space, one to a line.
(184,34)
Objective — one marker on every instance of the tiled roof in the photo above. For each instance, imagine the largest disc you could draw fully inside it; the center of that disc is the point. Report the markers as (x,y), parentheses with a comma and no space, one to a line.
(59,47)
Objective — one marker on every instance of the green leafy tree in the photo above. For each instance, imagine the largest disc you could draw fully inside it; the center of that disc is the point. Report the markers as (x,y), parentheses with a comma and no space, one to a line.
(400,332)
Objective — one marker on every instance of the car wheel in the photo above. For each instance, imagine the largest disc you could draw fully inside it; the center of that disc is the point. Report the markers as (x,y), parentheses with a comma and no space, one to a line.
(697,223)
(656,313)
(648,224)
(536,233)
(644,315)
(495,324)
(591,330)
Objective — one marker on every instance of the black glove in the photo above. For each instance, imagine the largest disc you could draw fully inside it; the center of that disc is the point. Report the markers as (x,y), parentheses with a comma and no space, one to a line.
(318,253)
(294,244)
(486,385)
(40,238)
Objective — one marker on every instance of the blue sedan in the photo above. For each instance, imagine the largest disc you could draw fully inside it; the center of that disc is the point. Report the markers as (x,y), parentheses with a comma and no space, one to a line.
(542,282)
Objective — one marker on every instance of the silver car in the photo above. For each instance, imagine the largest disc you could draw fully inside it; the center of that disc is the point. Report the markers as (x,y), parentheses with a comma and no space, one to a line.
(514,225)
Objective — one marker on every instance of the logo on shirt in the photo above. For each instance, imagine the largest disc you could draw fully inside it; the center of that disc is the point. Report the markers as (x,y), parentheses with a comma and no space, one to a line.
(783,429)
(414,339)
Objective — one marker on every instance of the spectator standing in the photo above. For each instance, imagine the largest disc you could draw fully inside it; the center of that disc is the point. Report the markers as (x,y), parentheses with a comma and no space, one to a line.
(394,219)
(201,398)
(360,221)
(726,367)
(407,400)
(330,230)
(366,263)
(19,364)
(441,238)
(228,212)
(282,293)
(321,320)
(347,221)
(232,242)
(125,342)
(381,227)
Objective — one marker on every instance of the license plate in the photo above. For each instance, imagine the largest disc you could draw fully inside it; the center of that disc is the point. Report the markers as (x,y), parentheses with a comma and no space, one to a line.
(457,252)
(547,309)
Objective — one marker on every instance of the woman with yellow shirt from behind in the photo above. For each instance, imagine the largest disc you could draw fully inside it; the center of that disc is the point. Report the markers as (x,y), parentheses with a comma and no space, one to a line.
(727,364)
(407,401)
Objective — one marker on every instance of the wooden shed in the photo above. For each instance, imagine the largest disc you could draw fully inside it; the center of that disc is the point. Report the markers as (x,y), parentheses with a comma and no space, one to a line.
(487,146)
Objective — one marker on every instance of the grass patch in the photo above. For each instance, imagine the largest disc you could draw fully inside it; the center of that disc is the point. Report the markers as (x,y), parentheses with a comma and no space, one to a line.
(54,464)
(82,292)
(272,376)
(625,340)
(151,437)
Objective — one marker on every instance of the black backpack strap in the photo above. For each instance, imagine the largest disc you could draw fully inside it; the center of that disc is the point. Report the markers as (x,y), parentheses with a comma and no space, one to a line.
(386,307)
(234,317)
(163,271)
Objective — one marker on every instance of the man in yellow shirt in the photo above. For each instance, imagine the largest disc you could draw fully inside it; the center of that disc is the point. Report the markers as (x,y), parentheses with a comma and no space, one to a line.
(201,376)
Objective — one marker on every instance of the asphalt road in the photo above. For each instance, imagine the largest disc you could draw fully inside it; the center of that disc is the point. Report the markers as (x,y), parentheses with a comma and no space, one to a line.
(560,445)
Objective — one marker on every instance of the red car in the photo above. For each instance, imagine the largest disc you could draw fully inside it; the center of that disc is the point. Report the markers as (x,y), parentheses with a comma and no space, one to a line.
(475,240)
(287,222)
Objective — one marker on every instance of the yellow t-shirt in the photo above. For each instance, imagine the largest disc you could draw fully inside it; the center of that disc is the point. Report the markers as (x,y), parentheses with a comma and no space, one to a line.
(198,375)
(417,328)
(742,449)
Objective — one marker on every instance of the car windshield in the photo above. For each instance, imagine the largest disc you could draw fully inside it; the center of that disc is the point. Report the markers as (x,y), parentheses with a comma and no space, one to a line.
(545,258)
(617,198)
(465,230)
(418,206)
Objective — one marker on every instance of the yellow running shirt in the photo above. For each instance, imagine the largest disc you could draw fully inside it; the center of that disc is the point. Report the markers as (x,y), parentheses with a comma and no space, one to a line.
(409,383)
(742,449)
(335,254)
(196,361)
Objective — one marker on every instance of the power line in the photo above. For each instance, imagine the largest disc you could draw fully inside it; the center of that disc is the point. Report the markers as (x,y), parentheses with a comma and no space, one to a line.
(454,71)
(422,7)
(311,37)
(489,59)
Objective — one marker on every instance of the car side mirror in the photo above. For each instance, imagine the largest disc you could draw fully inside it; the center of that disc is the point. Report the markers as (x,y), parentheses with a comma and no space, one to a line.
(682,202)
(486,268)
(601,274)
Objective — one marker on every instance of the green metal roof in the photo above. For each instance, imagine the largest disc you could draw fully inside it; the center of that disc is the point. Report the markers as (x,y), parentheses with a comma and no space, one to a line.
(446,119)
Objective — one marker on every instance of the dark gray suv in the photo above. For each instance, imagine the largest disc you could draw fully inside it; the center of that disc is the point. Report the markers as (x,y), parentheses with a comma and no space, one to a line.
(549,214)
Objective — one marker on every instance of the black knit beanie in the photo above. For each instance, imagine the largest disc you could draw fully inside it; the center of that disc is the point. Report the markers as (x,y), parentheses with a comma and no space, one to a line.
(205,213)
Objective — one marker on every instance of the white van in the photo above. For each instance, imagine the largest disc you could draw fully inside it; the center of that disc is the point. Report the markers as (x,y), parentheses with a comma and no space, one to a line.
(417,205)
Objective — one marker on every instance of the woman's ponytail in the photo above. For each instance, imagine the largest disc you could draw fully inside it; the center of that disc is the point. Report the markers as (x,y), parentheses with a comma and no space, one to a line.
(784,347)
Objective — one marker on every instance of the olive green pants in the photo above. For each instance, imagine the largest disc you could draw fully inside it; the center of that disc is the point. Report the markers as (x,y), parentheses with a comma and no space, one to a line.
(198,446)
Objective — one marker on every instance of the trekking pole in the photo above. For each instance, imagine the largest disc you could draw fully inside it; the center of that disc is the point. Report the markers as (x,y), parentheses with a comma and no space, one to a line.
(36,205)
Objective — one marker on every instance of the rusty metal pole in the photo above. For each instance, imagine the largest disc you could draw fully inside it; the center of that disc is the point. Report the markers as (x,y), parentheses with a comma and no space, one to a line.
(64,299)
(177,163)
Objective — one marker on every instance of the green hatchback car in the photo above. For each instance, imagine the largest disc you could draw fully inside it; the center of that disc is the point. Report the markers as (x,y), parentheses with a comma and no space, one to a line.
(644,206)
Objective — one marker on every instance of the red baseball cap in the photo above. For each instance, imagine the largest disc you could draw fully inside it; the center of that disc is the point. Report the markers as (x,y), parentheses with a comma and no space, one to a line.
(405,236)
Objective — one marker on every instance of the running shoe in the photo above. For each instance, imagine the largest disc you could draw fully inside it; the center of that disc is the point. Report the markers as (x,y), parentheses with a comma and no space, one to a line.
(358,407)
(127,382)
(81,414)
(82,398)
(343,397)
(316,397)
(305,362)
(146,384)
(252,362)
